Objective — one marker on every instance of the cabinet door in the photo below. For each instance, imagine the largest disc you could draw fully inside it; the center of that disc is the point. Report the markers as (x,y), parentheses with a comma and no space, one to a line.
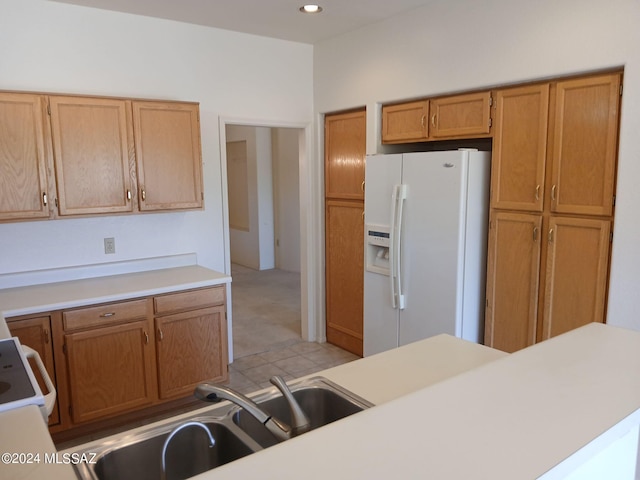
(520,148)
(36,333)
(513,268)
(23,182)
(460,115)
(585,145)
(344,151)
(167,144)
(110,370)
(191,349)
(405,122)
(344,260)
(576,275)
(91,154)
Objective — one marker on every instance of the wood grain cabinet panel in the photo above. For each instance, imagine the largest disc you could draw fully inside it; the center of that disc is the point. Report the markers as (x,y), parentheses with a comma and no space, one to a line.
(191,349)
(576,274)
(91,145)
(35,332)
(513,268)
(345,150)
(23,157)
(345,274)
(405,122)
(111,370)
(460,115)
(585,145)
(450,117)
(169,162)
(520,148)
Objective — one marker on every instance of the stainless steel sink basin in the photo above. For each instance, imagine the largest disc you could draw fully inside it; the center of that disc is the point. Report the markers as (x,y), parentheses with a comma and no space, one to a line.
(321,400)
(237,434)
(139,457)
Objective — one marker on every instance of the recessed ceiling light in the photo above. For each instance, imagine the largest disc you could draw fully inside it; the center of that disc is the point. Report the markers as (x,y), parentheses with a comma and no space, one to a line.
(311,9)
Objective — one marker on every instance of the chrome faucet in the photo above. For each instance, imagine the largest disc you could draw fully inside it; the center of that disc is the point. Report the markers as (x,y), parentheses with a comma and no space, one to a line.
(212,442)
(213,393)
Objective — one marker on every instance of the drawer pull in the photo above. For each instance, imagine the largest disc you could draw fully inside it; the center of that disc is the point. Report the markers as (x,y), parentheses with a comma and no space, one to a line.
(146,338)
(160,334)
(108,314)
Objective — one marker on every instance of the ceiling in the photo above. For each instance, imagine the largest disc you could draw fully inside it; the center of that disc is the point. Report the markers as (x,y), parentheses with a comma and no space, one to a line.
(270,18)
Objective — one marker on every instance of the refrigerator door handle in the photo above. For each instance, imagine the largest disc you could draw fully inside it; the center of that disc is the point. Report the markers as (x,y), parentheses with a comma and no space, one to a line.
(395,242)
(402,196)
(392,242)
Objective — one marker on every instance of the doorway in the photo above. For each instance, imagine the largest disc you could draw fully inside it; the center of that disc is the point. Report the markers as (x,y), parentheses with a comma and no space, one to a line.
(264,248)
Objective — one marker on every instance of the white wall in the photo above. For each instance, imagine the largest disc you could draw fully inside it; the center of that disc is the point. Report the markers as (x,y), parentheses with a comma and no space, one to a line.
(286,188)
(51,47)
(454,46)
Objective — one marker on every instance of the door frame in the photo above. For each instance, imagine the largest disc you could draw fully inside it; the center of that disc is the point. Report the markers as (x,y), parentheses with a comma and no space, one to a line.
(311,226)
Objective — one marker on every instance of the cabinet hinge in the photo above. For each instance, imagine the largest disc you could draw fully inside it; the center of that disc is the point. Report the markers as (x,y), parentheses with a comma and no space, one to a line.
(490,122)
(202,195)
(491,100)
(610,237)
(614,200)
(620,89)
(48,109)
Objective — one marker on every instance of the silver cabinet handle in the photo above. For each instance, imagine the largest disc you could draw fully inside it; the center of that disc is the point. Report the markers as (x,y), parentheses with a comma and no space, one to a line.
(128,194)
(433,120)
(108,314)
(44,199)
(553,192)
(146,338)
(143,194)
(160,334)
(550,236)
(538,192)
(535,234)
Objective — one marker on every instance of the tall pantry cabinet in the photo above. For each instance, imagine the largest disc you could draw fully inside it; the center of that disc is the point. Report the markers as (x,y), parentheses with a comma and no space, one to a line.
(552,207)
(345,150)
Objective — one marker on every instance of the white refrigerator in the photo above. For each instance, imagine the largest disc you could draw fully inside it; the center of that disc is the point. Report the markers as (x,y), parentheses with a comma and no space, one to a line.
(426,219)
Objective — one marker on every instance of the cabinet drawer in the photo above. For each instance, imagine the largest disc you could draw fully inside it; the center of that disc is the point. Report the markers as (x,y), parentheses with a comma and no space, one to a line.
(189,300)
(104,314)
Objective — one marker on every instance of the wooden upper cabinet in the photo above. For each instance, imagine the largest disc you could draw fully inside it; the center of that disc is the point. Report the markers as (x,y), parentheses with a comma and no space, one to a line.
(460,115)
(91,144)
(167,146)
(23,165)
(405,122)
(513,267)
(520,148)
(345,148)
(585,145)
(577,272)
(455,116)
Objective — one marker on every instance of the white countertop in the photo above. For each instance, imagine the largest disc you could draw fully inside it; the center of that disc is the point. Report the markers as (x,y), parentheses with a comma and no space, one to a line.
(518,417)
(22,431)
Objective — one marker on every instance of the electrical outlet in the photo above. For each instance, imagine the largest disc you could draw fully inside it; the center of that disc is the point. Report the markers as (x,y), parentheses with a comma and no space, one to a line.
(109,245)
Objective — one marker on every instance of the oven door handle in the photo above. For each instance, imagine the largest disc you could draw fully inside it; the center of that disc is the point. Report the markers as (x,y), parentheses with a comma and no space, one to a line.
(49,398)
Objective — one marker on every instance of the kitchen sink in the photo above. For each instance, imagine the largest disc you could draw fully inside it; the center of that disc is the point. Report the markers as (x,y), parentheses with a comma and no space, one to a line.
(322,401)
(236,433)
(139,456)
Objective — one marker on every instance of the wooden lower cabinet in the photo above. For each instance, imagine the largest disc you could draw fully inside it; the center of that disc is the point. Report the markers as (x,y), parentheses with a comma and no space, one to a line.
(545,276)
(513,267)
(35,332)
(576,273)
(344,273)
(111,370)
(191,348)
(117,359)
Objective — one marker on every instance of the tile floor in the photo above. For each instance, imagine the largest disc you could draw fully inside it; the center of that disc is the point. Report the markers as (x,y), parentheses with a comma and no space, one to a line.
(266,331)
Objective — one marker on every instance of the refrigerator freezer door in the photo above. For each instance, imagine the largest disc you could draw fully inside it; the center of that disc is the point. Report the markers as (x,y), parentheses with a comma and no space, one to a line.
(382,173)
(435,213)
